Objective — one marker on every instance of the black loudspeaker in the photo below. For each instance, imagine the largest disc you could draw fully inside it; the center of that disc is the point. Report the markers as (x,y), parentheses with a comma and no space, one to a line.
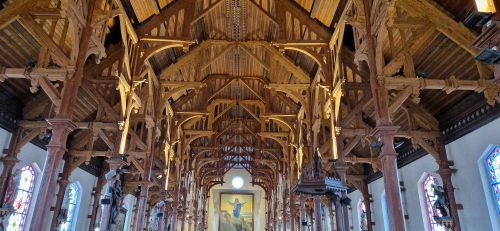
(106,201)
(346,201)
(489,56)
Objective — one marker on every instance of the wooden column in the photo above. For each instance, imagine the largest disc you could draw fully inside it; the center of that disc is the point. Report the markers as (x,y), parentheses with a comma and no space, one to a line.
(96,193)
(174,219)
(391,180)
(292,212)
(445,172)
(339,219)
(55,151)
(115,163)
(9,161)
(317,213)
(303,218)
(342,212)
(63,182)
(62,125)
(384,131)
(332,217)
(366,200)
(141,206)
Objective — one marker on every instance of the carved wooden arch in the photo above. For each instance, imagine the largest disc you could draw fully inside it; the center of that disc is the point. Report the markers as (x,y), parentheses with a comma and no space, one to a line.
(179,126)
(280,142)
(276,158)
(281,121)
(314,57)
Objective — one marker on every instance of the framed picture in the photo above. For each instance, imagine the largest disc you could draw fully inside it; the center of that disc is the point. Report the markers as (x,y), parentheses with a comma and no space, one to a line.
(236,212)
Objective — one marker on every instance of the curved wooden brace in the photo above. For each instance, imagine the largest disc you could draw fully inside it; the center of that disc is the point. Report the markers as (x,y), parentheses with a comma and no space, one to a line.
(307,53)
(281,121)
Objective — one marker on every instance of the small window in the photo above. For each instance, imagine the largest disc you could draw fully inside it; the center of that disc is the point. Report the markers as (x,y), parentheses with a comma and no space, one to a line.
(493,169)
(19,197)
(69,210)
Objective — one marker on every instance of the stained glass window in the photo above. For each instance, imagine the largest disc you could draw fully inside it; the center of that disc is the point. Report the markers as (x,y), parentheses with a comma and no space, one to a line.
(493,168)
(69,212)
(430,197)
(25,182)
(363,217)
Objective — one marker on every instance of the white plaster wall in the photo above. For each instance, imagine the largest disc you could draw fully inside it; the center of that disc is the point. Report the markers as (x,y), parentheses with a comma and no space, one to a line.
(259,212)
(4,143)
(376,188)
(465,152)
(469,191)
(87,181)
(354,212)
(410,175)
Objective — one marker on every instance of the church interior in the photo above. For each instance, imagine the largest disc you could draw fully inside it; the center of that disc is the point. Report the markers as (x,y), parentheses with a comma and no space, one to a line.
(249,115)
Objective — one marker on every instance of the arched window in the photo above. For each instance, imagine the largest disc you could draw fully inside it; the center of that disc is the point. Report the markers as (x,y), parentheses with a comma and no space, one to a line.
(493,169)
(362,216)
(19,198)
(69,210)
(428,186)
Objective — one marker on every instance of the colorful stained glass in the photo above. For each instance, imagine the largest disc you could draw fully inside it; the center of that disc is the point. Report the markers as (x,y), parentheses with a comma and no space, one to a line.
(430,198)
(71,200)
(493,168)
(23,194)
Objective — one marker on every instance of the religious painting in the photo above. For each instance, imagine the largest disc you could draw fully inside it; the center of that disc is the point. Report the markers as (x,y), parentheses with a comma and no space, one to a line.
(236,212)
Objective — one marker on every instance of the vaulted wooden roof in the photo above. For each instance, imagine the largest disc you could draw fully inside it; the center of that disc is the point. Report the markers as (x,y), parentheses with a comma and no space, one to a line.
(230,83)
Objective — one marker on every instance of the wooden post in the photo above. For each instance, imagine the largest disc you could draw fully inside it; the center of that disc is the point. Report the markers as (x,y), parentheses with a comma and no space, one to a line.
(174,219)
(342,211)
(115,163)
(63,183)
(366,200)
(62,126)
(292,211)
(302,200)
(55,151)
(385,131)
(445,172)
(341,169)
(317,213)
(141,206)
(332,217)
(9,161)
(96,192)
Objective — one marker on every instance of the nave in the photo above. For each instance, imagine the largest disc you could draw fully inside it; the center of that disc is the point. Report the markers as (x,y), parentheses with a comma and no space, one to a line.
(255,115)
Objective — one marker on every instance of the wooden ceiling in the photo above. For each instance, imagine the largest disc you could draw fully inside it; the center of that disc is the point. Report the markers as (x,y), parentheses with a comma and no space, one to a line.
(224,70)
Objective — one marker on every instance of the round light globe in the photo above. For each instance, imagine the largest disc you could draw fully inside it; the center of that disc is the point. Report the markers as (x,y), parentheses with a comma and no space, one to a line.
(237,182)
